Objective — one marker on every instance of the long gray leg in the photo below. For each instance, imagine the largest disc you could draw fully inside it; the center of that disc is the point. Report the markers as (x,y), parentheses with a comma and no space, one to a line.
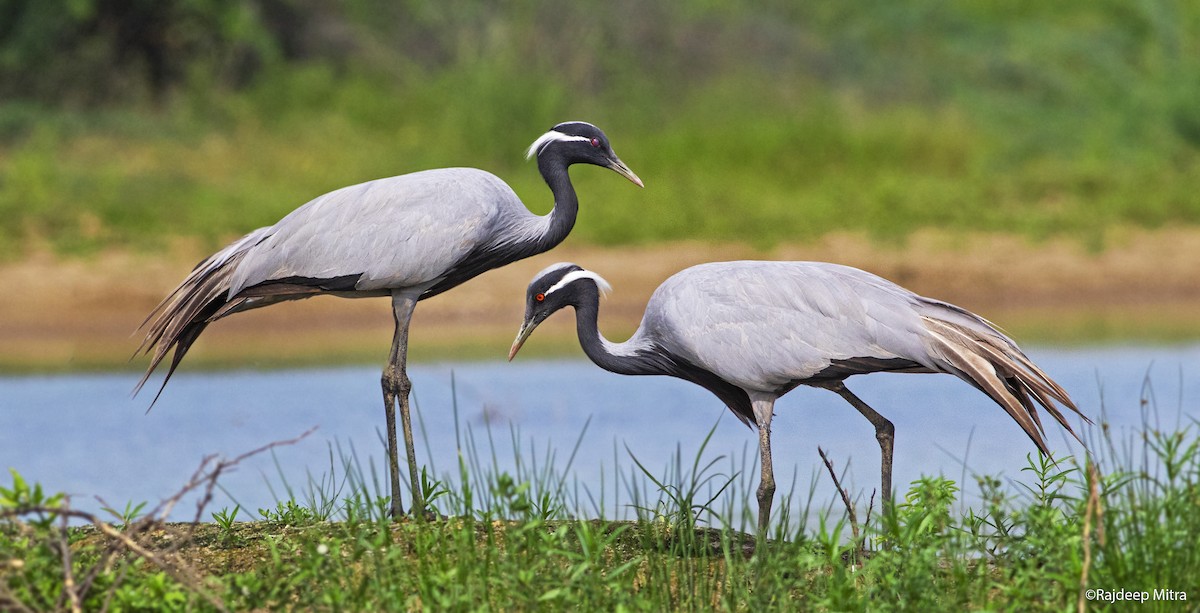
(764,407)
(396,386)
(885,433)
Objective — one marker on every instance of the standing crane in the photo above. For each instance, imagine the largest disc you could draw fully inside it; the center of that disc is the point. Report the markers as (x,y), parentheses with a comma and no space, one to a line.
(408,237)
(750,332)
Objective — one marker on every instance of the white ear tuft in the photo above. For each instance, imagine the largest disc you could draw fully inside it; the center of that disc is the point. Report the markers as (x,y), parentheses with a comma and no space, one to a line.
(575,275)
(605,287)
(542,141)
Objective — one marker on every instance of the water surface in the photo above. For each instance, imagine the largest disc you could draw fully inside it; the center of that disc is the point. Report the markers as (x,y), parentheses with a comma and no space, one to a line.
(83,434)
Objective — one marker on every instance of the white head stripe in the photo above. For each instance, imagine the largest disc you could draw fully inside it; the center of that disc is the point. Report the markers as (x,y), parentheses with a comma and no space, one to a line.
(547,138)
(605,288)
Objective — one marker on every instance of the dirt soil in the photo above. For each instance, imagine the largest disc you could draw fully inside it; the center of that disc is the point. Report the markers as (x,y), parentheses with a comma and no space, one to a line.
(62,313)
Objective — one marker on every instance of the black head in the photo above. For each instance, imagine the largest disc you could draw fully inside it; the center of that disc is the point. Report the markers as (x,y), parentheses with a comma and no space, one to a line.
(579,142)
(560,285)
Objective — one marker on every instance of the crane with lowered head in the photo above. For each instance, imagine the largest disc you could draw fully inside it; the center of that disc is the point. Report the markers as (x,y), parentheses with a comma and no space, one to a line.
(752,331)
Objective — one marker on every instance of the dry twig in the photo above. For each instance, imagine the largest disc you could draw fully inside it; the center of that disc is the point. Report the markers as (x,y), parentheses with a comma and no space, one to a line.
(134,537)
(1094,511)
(845,495)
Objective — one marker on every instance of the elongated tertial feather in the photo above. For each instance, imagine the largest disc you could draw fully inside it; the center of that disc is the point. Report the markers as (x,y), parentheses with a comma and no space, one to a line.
(995,365)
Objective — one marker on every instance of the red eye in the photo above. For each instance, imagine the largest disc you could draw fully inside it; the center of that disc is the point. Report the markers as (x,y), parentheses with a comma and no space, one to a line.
(540,297)
(596,143)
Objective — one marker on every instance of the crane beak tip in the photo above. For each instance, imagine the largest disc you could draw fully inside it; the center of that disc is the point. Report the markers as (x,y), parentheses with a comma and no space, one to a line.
(523,334)
(628,174)
(620,168)
(516,346)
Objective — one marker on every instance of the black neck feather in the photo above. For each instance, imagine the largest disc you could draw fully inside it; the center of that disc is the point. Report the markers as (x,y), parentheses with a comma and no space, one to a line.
(553,167)
(597,350)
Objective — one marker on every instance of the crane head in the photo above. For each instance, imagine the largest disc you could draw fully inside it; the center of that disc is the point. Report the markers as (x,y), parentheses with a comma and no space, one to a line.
(579,142)
(557,286)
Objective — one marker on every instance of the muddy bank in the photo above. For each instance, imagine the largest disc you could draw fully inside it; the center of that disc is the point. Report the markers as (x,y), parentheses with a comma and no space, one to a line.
(62,314)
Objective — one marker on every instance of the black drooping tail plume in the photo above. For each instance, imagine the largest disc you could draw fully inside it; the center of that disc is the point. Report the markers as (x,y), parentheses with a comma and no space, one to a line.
(200,299)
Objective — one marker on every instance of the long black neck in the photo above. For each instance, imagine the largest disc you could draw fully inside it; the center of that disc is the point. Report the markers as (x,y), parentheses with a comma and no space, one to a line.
(600,351)
(648,359)
(553,167)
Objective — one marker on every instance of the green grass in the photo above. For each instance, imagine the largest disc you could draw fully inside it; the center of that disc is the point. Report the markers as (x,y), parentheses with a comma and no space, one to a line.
(524,539)
(759,124)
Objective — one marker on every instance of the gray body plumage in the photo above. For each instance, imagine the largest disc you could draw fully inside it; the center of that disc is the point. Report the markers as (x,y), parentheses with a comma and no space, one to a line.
(765,325)
(361,241)
(391,233)
(769,326)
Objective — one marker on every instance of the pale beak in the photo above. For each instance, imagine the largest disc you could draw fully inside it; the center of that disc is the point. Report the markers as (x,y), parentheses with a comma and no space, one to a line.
(526,329)
(617,165)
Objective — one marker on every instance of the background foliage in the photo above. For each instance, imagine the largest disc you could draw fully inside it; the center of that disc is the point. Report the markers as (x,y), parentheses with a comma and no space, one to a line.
(130,122)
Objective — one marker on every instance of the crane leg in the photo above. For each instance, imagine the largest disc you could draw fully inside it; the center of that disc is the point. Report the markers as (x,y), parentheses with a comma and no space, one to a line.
(885,433)
(763,411)
(396,387)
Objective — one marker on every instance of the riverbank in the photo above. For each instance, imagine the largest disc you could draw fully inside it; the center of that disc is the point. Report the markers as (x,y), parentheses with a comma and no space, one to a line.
(1075,537)
(81,314)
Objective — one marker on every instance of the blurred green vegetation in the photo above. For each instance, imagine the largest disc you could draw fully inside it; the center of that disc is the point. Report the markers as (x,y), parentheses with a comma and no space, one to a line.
(134,122)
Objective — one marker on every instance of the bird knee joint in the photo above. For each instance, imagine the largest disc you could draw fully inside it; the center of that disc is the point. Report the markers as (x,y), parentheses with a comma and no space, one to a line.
(887,429)
(396,382)
(766,490)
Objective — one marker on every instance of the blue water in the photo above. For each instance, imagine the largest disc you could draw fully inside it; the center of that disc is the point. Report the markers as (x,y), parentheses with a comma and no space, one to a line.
(83,434)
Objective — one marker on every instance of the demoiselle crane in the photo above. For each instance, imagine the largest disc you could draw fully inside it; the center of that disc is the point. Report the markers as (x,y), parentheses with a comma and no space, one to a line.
(409,237)
(752,331)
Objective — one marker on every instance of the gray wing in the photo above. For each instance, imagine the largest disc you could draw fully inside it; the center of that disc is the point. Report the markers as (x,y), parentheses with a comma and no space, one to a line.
(404,231)
(765,325)
(426,231)
(769,326)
